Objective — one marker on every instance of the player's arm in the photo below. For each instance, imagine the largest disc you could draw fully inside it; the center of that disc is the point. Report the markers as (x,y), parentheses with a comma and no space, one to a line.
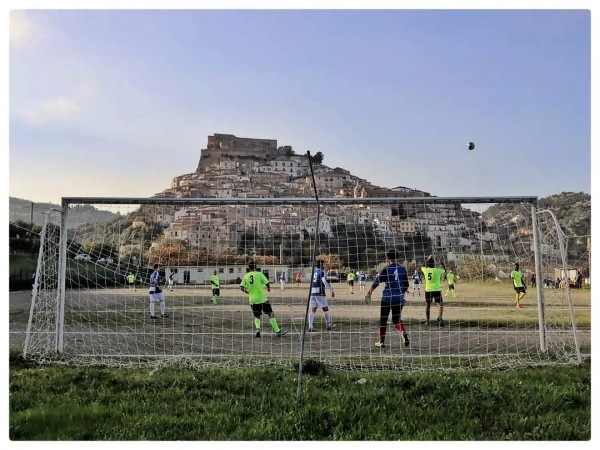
(243,287)
(404,283)
(328,286)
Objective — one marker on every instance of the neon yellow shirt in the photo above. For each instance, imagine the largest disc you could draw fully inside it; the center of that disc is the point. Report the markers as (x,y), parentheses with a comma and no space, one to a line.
(433,278)
(254,282)
(517,277)
(450,277)
(351,276)
(130,278)
(215,282)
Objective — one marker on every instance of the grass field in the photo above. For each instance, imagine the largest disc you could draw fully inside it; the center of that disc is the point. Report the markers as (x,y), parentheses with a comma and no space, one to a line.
(67,403)
(259,403)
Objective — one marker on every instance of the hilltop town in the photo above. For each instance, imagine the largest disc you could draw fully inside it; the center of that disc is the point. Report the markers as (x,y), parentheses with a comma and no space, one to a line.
(237,167)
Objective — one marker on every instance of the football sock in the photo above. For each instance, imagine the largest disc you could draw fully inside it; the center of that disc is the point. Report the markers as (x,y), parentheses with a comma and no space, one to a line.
(162,308)
(328,317)
(151,308)
(400,327)
(311,319)
(274,325)
(257,324)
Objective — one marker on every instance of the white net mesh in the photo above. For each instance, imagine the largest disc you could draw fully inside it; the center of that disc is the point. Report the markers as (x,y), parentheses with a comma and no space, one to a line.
(107,320)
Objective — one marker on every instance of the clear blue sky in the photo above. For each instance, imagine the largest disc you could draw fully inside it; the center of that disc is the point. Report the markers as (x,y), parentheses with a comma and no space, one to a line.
(117,103)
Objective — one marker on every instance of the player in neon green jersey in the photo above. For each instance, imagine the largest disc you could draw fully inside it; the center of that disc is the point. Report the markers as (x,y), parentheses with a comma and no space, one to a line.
(450,277)
(215,284)
(519,286)
(433,288)
(253,284)
(351,277)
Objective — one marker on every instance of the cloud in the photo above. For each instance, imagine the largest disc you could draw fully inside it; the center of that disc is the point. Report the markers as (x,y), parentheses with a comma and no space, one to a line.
(23,31)
(60,107)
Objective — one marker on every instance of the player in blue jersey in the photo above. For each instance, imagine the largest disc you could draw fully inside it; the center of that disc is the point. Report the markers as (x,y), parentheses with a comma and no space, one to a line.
(362,277)
(318,296)
(395,278)
(156,294)
(416,283)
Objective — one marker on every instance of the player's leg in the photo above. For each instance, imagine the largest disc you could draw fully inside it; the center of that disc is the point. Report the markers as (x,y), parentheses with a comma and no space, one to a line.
(152,308)
(397,321)
(163,307)
(311,314)
(384,313)
(427,307)
(440,302)
(257,312)
(267,309)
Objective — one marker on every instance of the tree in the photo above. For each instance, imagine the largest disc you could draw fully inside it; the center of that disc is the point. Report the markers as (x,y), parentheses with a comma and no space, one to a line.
(317,158)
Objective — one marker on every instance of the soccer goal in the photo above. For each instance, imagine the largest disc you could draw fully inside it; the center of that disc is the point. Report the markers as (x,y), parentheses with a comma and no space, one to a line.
(87,310)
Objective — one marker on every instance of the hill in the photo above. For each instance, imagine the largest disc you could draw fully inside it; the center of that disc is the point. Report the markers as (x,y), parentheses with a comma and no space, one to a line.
(573,210)
(20,209)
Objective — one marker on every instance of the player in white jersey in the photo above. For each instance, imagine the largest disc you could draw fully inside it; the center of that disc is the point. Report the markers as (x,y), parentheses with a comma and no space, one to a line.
(416,283)
(318,297)
(156,294)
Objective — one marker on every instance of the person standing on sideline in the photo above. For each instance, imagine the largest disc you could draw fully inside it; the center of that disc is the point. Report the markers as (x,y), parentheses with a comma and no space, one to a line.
(215,284)
(579,280)
(131,281)
(416,283)
(171,280)
(298,278)
(253,284)
(533,279)
(351,277)
(282,281)
(318,296)
(519,286)
(33,283)
(396,282)
(156,294)
(362,278)
(450,277)
(433,289)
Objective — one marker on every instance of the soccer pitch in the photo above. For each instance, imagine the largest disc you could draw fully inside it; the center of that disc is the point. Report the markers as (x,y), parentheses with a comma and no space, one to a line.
(113,326)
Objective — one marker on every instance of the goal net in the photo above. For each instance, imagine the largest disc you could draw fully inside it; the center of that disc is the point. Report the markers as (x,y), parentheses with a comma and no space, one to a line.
(86,310)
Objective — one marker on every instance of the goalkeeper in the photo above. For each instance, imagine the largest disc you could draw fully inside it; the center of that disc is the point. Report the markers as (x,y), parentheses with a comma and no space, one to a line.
(396,282)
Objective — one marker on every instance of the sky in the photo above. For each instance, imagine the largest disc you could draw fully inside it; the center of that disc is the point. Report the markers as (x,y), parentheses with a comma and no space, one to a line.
(116,103)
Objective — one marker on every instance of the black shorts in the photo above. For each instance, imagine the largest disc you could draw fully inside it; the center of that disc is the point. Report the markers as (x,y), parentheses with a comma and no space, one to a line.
(351,282)
(216,291)
(435,296)
(451,286)
(520,289)
(261,308)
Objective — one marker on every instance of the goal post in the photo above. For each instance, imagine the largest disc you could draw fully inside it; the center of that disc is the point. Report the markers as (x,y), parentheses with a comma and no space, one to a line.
(87,312)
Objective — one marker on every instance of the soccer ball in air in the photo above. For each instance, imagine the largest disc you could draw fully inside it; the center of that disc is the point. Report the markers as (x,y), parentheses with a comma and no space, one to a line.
(471,146)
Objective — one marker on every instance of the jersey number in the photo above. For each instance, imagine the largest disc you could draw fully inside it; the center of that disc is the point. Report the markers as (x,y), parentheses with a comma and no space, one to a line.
(429,276)
(251,279)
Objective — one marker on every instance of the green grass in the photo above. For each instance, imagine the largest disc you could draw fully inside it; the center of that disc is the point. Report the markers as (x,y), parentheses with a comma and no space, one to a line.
(66,403)
(22,261)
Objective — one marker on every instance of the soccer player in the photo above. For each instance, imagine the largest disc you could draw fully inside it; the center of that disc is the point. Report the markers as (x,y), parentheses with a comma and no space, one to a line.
(156,294)
(253,284)
(362,277)
(298,278)
(450,277)
(318,296)
(519,286)
(215,284)
(351,278)
(131,281)
(282,281)
(433,289)
(396,282)
(171,280)
(416,283)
